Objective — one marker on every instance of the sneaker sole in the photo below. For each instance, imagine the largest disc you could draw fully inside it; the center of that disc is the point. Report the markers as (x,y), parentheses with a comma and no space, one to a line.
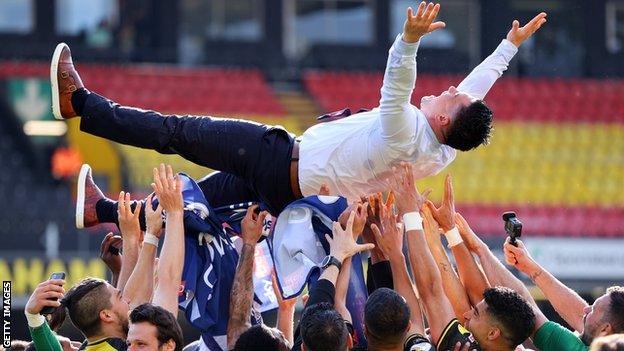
(80,198)
(56,104)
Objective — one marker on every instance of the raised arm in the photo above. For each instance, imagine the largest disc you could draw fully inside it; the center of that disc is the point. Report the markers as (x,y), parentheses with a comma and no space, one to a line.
(498,275)
(565,300)
(168,188)
(483,77)
(131,233)
(390,240)
(241,296)
(140,286)
(400,76)
(471,275)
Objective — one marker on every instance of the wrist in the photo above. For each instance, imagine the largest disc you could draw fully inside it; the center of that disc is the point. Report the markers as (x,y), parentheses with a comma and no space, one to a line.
(250,242)
(339,256)
(34,319)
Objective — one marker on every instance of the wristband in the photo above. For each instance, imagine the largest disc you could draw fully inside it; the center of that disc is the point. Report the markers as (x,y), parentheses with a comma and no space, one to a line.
(453,238)
(34,320)
(150,239)
(412,221)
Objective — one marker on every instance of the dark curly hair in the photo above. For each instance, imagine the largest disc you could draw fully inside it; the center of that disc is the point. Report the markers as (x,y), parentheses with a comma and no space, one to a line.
(261,338)
(514,314)
(164,321)
(471,127)
(323,329)
(386,316)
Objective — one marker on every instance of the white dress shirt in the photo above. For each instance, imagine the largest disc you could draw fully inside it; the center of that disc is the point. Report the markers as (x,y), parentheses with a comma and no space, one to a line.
(354,155)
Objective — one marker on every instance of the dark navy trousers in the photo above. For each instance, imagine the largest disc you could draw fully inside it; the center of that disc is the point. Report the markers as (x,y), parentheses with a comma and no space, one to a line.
(254,159)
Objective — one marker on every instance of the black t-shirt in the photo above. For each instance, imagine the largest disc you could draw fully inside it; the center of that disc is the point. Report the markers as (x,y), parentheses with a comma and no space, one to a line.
(454,333)
(414,342)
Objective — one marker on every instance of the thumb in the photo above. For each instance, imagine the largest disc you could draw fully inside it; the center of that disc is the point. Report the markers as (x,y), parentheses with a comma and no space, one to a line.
(376,232)
(515,25)
(364,247)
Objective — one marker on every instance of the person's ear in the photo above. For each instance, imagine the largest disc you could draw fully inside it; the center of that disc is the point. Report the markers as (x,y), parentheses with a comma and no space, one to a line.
(170,345)
(409,326)
(349,342)
(106,315)
(443,120)
(606,329)
(494,334)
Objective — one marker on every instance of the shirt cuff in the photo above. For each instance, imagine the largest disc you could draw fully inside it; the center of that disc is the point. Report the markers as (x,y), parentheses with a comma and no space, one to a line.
(34,320)
(405,49)
(507,49)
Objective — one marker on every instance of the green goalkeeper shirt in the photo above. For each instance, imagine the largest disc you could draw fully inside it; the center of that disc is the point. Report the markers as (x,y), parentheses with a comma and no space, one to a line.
(553,337)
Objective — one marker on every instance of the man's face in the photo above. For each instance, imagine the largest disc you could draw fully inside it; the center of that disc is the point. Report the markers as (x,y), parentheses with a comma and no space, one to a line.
(119,306)
(143,336)
(444,107)
(593,320)
(477,322)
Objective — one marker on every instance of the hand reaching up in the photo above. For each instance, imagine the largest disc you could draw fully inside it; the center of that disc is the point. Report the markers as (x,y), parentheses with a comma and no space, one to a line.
(420,23)
(445,214)
(517,35)
(343,245)
(168,188)
(251,225)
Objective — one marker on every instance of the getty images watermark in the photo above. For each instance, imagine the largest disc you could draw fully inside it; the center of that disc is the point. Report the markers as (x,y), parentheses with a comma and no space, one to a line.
(6,314)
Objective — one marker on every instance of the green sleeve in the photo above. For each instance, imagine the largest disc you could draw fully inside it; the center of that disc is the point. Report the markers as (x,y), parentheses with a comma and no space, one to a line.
(44,339)
(552,336)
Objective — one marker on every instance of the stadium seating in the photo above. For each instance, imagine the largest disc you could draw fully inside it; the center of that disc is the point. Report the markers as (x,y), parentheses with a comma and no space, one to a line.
(556,155)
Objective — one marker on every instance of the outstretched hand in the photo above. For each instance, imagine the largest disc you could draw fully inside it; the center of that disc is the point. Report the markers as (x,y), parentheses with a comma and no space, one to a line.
(421,23)
(517,35)
(168,188)
(408,198)
(342,245)
(445,214)
(252,224)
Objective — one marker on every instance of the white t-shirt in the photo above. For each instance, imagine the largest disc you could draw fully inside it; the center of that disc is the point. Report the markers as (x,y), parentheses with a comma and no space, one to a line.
(354,155)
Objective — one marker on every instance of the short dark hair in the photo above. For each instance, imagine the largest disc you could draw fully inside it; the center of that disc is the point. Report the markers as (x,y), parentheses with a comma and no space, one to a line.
(323,329)
(514,314)
(83,302)
(386,316)
(19,345)
(260,337)
(164,321)
(615,313)
(471,127)
(613,342)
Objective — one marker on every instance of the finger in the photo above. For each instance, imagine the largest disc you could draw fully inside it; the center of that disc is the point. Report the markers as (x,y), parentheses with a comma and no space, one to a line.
(350,222)
(178,183)
(148,204)
(157,183)
(426,193)
(162,174)
(435,26)
(250,212)
(329,238)
(536,19)
(409,171)
(364,247)
(170,179)
(434,12)
(324,190)
(51,295)
(127,208)
(410,13)
(55,285)
(457,346)
(428,10)
(515,25)
(390,201)
(448,190)
(421,9)
(121,204)
(137,210)
(376,232)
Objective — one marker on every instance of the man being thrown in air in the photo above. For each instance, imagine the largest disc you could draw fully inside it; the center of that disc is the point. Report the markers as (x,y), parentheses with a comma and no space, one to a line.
(352,156)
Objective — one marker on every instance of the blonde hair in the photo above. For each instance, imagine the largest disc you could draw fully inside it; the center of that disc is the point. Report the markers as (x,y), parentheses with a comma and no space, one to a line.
(614,342)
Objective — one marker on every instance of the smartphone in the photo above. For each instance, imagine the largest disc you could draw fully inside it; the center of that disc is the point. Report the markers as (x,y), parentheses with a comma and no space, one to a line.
(49,309)
(113,250)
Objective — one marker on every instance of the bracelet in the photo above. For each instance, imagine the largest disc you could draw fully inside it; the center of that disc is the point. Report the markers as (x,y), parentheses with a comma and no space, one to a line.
(412,221)
(150,239)
(453,238)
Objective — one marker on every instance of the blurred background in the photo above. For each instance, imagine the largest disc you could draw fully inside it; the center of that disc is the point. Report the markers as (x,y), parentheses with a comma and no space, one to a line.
(556,156)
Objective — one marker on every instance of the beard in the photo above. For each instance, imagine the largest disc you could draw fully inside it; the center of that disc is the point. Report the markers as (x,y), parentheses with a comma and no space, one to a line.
(586,338)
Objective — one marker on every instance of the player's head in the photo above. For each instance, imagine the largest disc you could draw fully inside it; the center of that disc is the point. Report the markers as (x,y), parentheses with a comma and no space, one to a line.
(614,342)
(461,121)
(271,339)
(95,307)
(503,319)
(386,318)
(605,316)
(323,329)
(153,328)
